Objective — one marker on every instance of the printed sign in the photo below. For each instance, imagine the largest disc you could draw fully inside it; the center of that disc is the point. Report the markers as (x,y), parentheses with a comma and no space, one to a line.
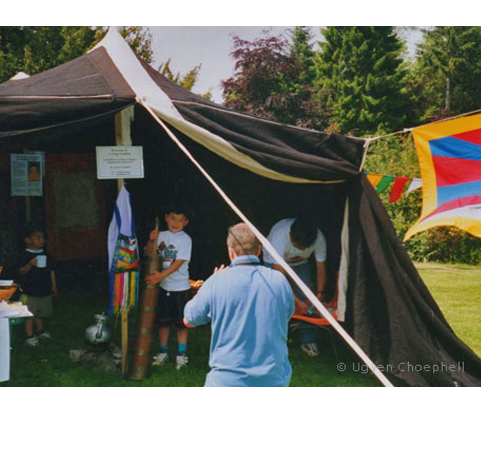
(26,173)
(119,162)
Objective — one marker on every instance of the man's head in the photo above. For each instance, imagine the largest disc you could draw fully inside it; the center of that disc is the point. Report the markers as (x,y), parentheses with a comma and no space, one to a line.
(303,233)
(242,241)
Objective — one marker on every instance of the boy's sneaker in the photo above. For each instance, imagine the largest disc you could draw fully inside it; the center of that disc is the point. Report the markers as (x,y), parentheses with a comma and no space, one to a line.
(44,335)
(160,359)
(181,361)
(32,342)
(311,349)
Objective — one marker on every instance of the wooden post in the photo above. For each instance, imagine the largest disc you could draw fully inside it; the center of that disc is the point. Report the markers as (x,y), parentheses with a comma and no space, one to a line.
(123,120)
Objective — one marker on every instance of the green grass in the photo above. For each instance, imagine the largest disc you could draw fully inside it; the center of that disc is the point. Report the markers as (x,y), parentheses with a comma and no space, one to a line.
(455,288)
(457,291)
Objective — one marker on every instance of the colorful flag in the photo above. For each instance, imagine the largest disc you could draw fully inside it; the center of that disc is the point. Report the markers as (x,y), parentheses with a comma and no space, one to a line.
(374,179)
(397,188)
(449,155)
(385,182)
(415,184)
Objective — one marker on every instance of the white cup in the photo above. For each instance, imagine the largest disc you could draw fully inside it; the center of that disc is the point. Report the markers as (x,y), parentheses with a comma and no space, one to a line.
(41,261)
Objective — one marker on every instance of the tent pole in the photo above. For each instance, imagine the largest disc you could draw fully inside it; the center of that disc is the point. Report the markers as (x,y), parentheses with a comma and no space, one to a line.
(123,120)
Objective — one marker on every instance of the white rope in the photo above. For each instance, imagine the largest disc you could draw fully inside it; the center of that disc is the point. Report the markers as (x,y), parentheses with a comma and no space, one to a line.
(265,243)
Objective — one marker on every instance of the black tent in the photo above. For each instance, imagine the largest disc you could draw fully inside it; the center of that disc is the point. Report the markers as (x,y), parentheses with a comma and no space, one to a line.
(271,171)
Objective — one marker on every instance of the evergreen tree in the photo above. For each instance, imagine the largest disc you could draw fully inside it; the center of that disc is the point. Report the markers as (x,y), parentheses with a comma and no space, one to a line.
(446,73)
(361,71)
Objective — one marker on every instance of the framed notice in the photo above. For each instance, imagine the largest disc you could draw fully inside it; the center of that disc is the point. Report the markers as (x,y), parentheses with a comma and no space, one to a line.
(119,162)
(26,173)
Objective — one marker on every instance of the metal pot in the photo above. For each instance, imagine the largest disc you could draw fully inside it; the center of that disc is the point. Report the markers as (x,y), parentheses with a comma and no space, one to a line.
(98,333)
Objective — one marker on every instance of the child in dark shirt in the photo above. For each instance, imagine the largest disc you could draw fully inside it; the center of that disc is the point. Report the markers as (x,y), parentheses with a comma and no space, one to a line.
(38,283)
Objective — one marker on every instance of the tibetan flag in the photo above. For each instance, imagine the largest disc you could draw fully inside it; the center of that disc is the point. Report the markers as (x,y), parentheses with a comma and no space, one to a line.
(449,155)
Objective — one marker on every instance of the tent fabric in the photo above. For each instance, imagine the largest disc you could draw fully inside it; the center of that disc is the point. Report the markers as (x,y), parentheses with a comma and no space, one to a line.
(389,310)
(85,88)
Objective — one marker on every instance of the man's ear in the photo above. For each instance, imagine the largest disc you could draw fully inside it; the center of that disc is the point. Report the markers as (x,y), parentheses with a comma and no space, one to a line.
(259,251)
(232,253)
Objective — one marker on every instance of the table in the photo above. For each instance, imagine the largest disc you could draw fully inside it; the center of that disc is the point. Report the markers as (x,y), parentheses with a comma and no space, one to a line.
(6,325)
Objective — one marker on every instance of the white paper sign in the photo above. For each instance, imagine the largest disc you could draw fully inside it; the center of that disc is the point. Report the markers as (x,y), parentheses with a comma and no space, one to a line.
(119,162)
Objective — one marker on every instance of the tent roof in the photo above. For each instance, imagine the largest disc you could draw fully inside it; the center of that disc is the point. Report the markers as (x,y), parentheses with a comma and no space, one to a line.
(111,77)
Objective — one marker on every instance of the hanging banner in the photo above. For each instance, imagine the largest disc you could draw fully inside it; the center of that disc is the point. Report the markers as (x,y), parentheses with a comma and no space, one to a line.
(449,156)
(124,265)
(26,172)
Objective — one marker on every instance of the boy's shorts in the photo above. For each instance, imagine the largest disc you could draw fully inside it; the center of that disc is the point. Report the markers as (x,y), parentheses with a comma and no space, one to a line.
(40,306)
(170,307)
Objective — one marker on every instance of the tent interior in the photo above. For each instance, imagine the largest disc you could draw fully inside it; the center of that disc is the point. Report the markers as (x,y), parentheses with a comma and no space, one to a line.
(170,177)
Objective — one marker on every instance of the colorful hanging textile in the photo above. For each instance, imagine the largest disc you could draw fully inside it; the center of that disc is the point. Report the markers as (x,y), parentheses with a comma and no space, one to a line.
(374,179)
(449,155)
(415,184)
(398,188)
(124,263)
(386,181)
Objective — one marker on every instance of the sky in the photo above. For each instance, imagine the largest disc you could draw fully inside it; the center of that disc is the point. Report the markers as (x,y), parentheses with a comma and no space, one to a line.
(211,46)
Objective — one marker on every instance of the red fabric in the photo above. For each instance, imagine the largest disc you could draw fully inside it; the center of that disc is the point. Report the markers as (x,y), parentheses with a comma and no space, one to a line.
(397,188)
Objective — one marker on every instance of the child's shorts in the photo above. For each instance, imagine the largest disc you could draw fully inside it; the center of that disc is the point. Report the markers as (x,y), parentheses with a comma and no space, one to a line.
(40,306)
(170,307)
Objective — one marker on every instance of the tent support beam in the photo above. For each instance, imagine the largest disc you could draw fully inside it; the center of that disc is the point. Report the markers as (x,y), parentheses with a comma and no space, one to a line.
(265,243)
(123,121)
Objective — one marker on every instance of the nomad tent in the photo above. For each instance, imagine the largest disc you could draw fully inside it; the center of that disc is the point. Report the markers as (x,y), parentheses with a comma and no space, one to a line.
(270,171)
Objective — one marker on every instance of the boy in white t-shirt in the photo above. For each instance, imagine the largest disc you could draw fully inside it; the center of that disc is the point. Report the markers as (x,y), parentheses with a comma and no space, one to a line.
(175,247)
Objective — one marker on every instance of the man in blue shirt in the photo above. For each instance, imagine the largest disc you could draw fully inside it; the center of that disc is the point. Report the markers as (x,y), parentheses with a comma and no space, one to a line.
(249,307)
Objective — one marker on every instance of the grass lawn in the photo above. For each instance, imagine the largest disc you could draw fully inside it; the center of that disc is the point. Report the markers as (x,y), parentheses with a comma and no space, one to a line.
(456,289)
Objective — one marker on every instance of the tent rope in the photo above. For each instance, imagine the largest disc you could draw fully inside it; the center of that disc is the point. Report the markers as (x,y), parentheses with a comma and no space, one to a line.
(265,243)
(408,130)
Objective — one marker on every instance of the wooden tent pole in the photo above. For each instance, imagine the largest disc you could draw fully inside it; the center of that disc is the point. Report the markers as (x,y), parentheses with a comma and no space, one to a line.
(123,120)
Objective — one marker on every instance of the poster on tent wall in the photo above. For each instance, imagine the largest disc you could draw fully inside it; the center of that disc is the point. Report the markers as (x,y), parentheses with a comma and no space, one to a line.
(449,156)
(26,174)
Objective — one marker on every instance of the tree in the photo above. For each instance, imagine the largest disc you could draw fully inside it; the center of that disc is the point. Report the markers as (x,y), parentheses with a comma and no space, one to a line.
(446,73)
(270,79)
(361,71)
(36,49)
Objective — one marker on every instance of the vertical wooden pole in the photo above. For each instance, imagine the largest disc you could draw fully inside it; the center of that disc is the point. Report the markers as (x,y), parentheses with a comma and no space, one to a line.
(123,120)
(28,207)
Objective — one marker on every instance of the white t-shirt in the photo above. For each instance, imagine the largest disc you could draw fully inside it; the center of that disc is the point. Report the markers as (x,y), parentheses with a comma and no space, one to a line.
(280,240)
(173,246)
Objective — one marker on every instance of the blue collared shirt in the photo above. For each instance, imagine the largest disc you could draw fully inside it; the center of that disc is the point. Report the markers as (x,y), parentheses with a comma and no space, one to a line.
(249,307)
